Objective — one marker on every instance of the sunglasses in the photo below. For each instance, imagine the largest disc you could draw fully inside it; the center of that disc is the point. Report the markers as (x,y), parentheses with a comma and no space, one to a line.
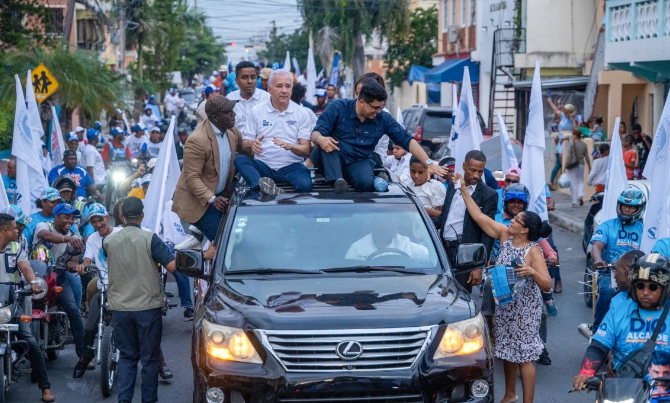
(508,180)
(651,286)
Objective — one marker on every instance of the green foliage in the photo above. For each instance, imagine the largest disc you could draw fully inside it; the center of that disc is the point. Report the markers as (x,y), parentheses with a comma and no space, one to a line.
(417,47)
(201,52)
(14,34)
(296,43)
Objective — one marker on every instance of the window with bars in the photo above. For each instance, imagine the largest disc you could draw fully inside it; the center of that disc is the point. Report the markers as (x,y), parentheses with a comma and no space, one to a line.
(54,21)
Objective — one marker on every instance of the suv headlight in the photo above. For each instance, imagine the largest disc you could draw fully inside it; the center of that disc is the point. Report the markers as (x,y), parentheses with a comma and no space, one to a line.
(462,338)
(229,343)
(5,315)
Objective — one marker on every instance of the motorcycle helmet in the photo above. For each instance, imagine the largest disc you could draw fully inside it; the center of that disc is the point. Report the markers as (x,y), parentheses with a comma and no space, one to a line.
(64,182)
(516,191)
(631,197)
(653,267)
(97,126)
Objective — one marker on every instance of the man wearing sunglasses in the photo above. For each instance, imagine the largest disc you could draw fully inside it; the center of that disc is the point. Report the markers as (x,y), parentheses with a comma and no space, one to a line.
(512,176)
(626,328)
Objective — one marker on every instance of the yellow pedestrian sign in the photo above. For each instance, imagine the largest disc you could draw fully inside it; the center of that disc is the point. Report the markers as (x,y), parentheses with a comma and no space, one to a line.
(44,83)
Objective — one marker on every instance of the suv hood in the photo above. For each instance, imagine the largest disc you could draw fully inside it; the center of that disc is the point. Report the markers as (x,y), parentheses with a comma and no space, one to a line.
(340,301)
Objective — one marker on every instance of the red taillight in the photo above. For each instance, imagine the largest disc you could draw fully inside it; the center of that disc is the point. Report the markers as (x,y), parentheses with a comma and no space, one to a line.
(418,134)
(487,132)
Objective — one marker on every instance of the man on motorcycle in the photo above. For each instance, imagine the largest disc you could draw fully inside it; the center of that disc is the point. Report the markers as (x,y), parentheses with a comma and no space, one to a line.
(66,188)
(115,152)
(155,142)
(48,201)
(12,258)
(625,329)
(138,142)
(612,239)
(78,173)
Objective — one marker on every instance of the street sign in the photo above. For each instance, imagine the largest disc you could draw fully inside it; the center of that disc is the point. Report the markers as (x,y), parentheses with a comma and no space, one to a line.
(44,83)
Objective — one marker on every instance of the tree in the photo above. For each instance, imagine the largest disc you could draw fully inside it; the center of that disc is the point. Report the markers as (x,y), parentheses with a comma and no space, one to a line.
(201,52)
(417,47)
(296,43)
(354,20)
(21,24)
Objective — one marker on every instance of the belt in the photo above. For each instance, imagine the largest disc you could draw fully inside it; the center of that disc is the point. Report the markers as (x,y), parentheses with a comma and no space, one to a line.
(450,244)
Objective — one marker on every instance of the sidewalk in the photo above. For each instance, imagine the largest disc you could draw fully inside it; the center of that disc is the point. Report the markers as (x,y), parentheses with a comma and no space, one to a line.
(568,218)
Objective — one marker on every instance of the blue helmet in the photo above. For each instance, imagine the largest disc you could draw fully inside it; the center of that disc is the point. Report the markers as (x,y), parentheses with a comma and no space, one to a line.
(97,125)
(631,197)
(516,191)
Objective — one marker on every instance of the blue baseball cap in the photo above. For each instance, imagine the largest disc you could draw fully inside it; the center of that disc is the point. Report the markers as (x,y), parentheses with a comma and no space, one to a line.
(50,194)
(97,209)
(16,212)
(210,89)
(320,92)
(66,208)
(116,131)
(92,133)
(139,128)
(72,137)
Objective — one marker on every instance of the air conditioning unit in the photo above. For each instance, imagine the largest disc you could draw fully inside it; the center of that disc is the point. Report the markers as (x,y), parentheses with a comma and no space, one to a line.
(453,33)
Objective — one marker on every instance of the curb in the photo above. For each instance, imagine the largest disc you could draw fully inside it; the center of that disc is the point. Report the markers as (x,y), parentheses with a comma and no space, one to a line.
(566,222)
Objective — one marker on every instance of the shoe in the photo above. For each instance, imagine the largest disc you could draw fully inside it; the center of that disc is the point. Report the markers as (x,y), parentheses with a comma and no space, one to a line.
(80,369)
(384,175)
(381,185)
(188,314)
(268,187)
(191,242)
(558,287)
(544,358)
(551,308)
(581,201)
(586,330)
(551,187)
(48,395)
(165,373)
(340,186)
(91,366)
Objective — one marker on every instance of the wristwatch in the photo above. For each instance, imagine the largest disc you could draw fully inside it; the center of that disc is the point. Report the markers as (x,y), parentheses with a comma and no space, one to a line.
(429,161)
(211,199)
(34,282)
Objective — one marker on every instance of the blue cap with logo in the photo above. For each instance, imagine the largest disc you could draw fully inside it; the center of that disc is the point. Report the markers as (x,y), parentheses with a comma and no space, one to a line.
(92,133)
(139,128)
(97,209)
(16,212)
(66,208)
(116,131)
(210,89)
(320,92)
(50,194)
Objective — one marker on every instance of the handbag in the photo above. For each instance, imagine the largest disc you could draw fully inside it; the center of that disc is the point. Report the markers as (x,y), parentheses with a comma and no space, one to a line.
(572,162)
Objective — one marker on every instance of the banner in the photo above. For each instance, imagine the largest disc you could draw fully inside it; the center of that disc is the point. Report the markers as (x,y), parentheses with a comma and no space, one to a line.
(532,169)
(335,70)
(4,200)
(287,62)
(508,157)
(34,118)
(616,181)
(57,140)
(30,180)
(468,133)
(311,78)
(657,218)
(162,187)
(454,108)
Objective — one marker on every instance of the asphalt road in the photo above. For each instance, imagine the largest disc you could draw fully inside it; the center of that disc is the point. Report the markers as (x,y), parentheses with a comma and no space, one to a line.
(566,348)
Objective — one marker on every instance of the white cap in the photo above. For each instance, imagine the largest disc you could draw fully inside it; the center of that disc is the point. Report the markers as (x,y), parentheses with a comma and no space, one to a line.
(79,129)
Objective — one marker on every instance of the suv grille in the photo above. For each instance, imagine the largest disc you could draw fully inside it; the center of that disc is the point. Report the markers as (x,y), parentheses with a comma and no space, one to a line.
(351,350)
(392,396)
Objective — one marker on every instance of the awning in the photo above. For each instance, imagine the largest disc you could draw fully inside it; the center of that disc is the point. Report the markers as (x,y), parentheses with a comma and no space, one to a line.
(567,83)
(416,73)
(452,71)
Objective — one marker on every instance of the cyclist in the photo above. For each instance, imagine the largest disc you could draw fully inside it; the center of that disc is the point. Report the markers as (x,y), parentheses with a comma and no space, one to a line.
(625,329)
(612,239)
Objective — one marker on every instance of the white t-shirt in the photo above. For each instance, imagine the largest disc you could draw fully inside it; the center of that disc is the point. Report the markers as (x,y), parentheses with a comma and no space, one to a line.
(91,158)
(364,247)
(399,168)
(95,253)
(431,193)
(134,143)
(244,106)
(170,102)
(150,121)
(290,126)
(153,149)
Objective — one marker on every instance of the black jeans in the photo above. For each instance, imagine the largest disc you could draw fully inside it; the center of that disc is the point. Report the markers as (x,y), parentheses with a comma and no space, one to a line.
(360,174)
(138,338)
(34,353)
(91,327)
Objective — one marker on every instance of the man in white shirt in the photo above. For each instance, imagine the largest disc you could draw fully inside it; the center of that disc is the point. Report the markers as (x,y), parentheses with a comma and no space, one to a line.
(598,175)
(278,133)
(92,160)
(155,142)
(247,95)
(170,102)
(385,236)
(149,120)
(139,141)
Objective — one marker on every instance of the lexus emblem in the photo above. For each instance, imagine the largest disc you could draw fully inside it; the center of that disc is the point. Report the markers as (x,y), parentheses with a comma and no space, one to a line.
(349,350)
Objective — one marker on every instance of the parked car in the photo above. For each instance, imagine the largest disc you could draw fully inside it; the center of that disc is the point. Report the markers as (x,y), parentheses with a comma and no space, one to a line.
(431,125)
(296,308)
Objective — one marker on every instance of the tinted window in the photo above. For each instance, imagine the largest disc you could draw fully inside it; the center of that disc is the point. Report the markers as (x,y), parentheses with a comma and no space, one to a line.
(314,237)
(437,123)
(411,118)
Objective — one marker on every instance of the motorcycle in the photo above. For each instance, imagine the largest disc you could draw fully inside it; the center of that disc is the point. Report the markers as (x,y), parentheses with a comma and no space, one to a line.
(12,350)
(117,175)
(166,295)
(633,390)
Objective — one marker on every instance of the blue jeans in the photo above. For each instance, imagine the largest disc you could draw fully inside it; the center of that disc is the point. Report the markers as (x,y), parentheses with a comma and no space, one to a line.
(605,295)
(557,168)
(138,338)
(182,283)
(360,174)
(75,282)
(296,174)
(68,302)
(208,224)
(35,354)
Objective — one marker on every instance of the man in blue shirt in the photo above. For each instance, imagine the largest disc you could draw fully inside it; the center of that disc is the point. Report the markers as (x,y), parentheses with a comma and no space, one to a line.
(347,133)
(9,180)
(662,246)
(81,177)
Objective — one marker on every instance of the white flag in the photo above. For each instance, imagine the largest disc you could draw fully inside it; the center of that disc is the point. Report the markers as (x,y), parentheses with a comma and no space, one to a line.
(125,120)
(287,62)
(616,181)
(468,134)
(454,108)
(296,66)
(34,118)
(30,180)
(311,77)
(657,218)
(162,186)
(57,141)
(399,118)
(508,157)
(4,200)
(532,169)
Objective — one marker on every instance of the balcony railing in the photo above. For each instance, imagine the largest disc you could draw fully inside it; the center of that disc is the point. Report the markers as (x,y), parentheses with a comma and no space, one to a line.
(630,20)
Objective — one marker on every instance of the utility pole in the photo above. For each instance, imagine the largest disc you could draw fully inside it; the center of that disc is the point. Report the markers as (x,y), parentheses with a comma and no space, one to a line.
(69,20)
(122,35)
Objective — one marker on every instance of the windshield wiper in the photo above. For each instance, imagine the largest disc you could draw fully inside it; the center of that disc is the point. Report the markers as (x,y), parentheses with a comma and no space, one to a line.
(364,269)
(269,271)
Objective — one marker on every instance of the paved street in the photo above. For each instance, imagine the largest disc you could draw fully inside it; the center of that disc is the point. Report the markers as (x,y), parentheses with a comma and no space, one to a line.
(566,348)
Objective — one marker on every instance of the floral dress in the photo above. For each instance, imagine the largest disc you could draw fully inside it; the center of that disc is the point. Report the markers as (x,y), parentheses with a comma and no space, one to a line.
(517,324)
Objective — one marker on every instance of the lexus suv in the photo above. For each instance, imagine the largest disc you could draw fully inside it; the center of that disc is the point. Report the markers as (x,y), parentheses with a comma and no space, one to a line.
(324,297)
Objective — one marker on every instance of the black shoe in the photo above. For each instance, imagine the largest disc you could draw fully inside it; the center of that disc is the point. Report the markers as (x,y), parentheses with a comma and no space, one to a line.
(188,314)
(268,187)
(79,369)
(544,358)
(165,373)
(340,186)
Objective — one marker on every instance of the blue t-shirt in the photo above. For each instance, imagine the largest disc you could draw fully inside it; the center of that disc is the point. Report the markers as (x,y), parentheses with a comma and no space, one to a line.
(662,246)
(37,218)
(500,197)
(495,248)
(618,238)
(79,174)
(10,188)
(626,329)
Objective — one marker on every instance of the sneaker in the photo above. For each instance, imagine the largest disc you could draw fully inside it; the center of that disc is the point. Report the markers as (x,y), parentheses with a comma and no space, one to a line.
(268,187)
(384,175)
(586,330)
(558,287)
(188,314)
(164,372)
(551,308)
(544,358)
(381,185)
(340,186)
(191,242)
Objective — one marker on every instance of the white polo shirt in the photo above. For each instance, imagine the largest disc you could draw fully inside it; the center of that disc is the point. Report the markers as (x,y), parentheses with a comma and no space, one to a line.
(244,106)
(290,126)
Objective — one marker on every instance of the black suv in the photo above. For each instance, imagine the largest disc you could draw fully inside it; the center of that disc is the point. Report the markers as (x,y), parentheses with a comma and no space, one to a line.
(300,305)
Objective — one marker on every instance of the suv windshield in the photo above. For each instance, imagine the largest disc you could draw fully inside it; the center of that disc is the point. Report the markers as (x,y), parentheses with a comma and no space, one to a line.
(437,123)
(334,236)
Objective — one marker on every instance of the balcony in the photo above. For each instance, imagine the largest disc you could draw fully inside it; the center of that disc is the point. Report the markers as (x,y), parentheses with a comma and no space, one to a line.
(638,37)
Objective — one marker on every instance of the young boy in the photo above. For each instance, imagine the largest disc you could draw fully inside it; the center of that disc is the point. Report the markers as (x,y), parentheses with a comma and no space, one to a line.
(398,164)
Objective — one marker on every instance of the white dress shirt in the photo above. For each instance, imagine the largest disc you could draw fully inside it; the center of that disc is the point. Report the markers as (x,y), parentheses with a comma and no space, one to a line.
(453,228)
(364,247)
(431,194)
(244,106)
(399,168)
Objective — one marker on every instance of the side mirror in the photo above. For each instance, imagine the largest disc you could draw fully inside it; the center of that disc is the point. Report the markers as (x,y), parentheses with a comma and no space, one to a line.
(470,256)
(189,262)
